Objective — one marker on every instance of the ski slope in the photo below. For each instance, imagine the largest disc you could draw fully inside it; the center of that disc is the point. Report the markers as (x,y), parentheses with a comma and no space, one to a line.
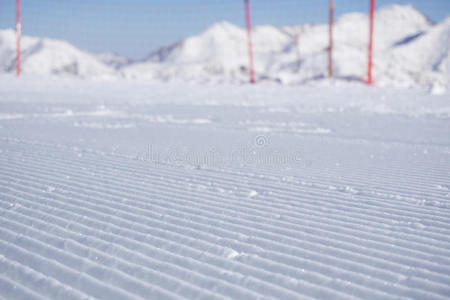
(187,191)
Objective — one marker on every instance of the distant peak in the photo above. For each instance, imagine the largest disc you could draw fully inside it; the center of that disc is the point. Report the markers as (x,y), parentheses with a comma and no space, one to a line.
(396,6)
(7,31)
(223,26)
(407,10)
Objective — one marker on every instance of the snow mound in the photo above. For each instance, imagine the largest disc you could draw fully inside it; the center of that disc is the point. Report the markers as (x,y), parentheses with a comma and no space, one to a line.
(43,56)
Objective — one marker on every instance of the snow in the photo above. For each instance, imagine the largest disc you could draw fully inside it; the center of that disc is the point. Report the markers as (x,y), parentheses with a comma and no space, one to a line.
(410,51)
(135,190)
(401,33)
(114,60)
(42,56)
(432,66)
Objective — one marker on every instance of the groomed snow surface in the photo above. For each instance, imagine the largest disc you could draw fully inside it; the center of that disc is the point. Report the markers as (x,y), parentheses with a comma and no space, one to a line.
(129,189)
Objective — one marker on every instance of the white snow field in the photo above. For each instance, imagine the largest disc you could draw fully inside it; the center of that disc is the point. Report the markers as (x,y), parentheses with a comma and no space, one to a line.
(138,190)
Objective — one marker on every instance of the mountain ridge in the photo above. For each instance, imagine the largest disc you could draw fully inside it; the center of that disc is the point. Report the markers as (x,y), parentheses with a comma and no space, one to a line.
(220,53)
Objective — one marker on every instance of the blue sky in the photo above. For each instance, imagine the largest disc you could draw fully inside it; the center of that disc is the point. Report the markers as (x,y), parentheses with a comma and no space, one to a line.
(134,28)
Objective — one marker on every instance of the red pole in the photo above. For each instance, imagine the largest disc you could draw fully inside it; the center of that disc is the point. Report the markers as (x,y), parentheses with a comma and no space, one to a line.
(369,69)
(297,46)
(250,46)
(330,49)
(18,37)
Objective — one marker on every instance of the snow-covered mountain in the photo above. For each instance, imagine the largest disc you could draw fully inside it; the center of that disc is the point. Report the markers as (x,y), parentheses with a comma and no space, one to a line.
(218,53)
(114,60)
(425,61)
(44,56)
(409,51)
(401,33)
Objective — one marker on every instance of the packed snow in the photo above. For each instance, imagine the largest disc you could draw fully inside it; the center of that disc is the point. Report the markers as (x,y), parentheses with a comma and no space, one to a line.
(410,51)
(150,190)
(171,178)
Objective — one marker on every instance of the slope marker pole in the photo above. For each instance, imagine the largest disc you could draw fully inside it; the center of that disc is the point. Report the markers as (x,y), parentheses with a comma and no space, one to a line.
(330,33)
(250,46)
(297,46)
(18,37)
(370,59)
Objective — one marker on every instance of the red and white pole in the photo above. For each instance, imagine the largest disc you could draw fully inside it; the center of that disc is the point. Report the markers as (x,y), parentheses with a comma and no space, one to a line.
(330,33)
(18,37)
(370,60)
(250,46)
